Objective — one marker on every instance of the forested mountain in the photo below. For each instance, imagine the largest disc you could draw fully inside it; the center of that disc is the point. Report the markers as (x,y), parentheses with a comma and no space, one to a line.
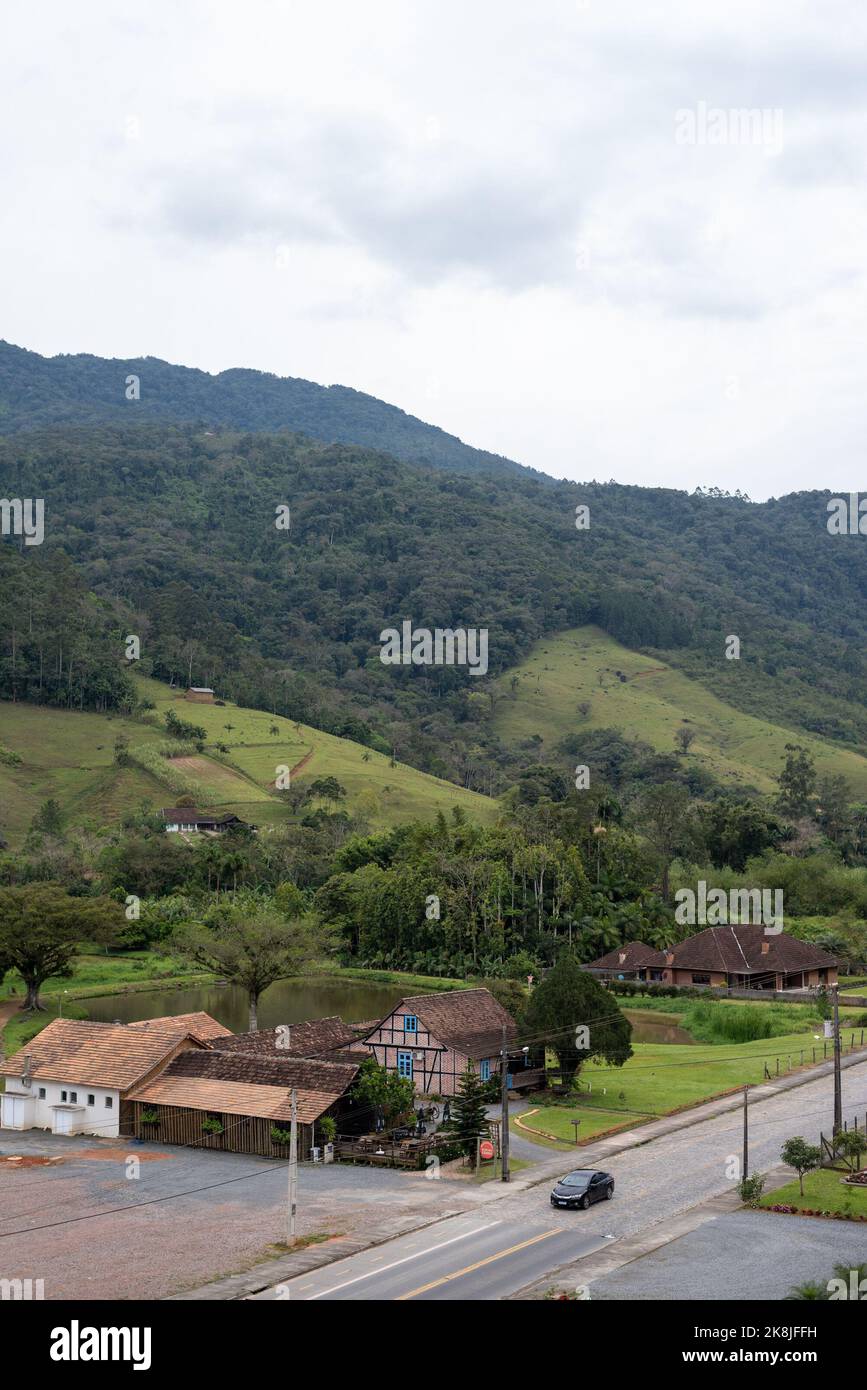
(79,388)
(170,532)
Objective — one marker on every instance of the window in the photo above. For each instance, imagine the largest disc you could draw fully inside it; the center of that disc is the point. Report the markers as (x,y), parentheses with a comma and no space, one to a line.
(41,1092)
(91,1100)
(410,1023)
(485,1069)
(73,1096)
(108,1102)
(63,1097)
(404,1064)
(700,979)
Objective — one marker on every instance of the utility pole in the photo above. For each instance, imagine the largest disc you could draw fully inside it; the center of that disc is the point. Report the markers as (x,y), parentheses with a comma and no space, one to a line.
(838,1079)
(746,1159)
(504,1127)
(293,1170)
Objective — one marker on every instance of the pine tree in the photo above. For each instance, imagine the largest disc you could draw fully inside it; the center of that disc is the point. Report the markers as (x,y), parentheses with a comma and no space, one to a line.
(468,1119)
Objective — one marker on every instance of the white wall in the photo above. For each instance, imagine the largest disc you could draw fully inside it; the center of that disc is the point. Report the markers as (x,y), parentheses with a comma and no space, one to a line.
(93,1119)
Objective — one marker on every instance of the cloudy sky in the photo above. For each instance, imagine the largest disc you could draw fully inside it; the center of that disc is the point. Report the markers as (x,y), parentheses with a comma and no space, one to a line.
(546,228)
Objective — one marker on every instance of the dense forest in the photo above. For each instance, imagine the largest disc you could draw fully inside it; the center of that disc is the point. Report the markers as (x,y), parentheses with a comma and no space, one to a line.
(77,388)
(169,532)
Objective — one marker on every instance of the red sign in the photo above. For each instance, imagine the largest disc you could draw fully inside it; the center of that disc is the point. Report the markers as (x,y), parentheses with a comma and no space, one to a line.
(486,1149)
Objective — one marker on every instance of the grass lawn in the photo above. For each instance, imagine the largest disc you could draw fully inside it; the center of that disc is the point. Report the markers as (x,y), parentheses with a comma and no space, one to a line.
(101,974)
(660,1077)
(823,1191)
(488,1171)
(629,690)
(556,1120)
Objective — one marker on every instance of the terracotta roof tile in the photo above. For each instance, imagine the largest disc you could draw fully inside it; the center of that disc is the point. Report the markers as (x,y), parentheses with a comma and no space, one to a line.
(316,1038)
(201,1024)
(245,1084)
(467,1020)
(96,1054)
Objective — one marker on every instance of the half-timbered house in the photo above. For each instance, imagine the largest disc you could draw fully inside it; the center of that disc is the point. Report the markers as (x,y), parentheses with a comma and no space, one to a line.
(431,1038)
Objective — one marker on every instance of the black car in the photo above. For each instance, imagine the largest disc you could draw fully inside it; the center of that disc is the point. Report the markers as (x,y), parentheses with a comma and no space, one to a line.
(582,1187)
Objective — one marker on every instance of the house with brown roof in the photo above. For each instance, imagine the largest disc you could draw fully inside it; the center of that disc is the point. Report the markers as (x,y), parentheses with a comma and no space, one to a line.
(730,957)
(634,961)
(187,820)
(239,1101)
(74,1076)
(431,1038)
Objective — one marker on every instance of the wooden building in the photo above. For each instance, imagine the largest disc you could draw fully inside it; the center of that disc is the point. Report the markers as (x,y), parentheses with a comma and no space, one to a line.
(200,694)
(239,1101)
(431,1038)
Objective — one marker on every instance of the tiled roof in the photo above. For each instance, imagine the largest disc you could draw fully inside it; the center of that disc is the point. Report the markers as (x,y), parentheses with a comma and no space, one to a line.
(467,1020)
(201,1024)
(316,1038)
(633,956)
(738,950)
(97,1054)
(243,1084)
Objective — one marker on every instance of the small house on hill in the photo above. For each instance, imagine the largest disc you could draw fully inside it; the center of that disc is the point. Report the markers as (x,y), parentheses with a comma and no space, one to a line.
(74,1076)
(188,820)
(237,1101)
(200,694)
(431,1038)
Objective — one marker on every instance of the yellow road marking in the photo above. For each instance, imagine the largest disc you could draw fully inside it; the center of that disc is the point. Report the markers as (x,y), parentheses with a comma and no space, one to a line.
(469,1269)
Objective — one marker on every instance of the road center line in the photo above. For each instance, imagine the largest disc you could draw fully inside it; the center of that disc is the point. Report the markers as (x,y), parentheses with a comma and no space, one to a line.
(489,1226)
(436,1283)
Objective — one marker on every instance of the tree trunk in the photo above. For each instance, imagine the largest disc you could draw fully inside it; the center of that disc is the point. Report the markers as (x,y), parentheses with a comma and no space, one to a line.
(32,999)
(254,1015)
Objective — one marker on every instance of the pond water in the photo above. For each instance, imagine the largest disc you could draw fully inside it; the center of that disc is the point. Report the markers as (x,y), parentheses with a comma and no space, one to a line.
(296,1001)
(650,1027)
(287,1001)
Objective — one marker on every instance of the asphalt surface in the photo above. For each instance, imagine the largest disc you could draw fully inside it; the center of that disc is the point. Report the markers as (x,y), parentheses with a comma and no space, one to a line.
(655,1182)
(747,1255)
(467,1257)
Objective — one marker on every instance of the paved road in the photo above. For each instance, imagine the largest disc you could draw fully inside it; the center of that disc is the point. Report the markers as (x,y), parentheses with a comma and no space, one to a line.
(473,1256)
(654,1182)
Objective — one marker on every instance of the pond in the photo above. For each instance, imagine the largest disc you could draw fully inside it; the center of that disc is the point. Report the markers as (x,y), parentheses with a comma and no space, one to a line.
(296,1001)
(651,1027)
(287,1001)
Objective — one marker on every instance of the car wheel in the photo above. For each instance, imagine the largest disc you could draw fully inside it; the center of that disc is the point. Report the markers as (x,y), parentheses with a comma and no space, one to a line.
(609,1192)
(584,1203)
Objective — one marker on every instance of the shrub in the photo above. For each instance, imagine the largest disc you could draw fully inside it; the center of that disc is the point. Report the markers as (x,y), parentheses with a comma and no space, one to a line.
(751,1189)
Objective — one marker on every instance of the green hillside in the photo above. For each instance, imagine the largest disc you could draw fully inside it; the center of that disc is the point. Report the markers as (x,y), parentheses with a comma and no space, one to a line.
(651,703)
(69,756)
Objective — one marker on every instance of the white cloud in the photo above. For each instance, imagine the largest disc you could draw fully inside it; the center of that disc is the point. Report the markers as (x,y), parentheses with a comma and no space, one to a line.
(490,198)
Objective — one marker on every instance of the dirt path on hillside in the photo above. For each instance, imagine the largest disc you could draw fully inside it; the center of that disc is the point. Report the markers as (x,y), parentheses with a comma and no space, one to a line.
(296,769)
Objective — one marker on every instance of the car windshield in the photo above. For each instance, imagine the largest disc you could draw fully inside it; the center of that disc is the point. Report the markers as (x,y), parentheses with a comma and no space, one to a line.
(576,1179)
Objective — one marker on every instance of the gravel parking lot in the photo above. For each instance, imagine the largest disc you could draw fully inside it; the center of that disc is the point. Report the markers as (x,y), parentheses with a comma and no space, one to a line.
(81,1223)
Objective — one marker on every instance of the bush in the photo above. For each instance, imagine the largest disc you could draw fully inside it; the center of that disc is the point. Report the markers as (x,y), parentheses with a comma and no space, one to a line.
(751,1189)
